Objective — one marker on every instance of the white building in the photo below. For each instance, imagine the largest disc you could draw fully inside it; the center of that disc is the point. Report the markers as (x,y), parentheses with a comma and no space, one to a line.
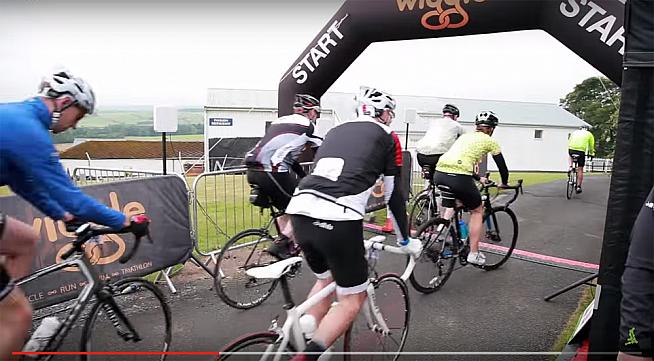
(533,136)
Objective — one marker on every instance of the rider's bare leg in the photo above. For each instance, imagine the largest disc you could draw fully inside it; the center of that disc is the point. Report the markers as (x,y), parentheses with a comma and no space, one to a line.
(339,318)
(580,176)
(475,226)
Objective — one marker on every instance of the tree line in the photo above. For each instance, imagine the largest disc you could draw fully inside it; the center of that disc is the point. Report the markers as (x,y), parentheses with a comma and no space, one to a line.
(596,100)
(121,131)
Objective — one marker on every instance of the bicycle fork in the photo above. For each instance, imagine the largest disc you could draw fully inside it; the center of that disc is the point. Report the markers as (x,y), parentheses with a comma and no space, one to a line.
(371,312)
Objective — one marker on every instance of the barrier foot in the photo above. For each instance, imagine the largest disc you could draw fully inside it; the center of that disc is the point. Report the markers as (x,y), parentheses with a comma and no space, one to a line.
(576,284)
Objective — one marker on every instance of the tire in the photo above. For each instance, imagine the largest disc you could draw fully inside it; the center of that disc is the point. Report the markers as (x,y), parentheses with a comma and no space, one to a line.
(132,296)
(392,299)
(252,343)
(436,262)
(572,182)
(421,210)
(232,284)
(499,242)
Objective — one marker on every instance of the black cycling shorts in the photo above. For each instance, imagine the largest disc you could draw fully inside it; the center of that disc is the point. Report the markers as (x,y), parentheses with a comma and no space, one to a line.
(279,186)
(428,162)
(463,186)
(581,160)
(334,249)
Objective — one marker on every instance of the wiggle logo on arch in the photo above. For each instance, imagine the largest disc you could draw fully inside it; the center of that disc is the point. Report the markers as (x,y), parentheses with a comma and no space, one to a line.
(444,13)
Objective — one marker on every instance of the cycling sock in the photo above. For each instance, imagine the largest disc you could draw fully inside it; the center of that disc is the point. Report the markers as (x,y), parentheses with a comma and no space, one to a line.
(314,350)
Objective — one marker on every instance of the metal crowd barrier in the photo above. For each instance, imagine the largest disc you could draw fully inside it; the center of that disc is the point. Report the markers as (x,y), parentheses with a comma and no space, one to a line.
(599,165)
(90,175)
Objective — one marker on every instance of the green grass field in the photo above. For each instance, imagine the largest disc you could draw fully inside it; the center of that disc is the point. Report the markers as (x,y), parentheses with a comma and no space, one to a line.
(108,117)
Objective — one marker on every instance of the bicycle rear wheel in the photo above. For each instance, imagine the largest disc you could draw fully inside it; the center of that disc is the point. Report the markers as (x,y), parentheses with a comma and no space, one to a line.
(572,182)
(245,250)
(436,262)
(499,237)
(363,341)
(252,347)
(108,321)
(421,211)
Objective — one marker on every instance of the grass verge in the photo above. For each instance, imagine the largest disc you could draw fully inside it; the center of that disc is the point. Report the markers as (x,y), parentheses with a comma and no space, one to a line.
(586,298)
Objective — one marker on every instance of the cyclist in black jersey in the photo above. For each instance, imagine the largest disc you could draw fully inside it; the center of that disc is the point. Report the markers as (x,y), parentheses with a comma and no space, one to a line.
(328,206)
(637,305)
(269,163)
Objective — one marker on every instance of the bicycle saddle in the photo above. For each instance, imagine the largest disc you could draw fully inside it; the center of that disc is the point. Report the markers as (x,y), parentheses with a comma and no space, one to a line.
(275,270)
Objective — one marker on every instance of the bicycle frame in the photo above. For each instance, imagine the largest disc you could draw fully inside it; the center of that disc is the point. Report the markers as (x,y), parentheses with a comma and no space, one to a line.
(291,329)
(94,285)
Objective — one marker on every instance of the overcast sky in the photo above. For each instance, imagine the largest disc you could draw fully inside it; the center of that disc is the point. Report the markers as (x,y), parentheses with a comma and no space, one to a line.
(144,53)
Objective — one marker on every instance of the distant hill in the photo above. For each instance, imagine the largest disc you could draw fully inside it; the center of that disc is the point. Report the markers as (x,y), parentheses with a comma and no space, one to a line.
(131,121)
(137,115)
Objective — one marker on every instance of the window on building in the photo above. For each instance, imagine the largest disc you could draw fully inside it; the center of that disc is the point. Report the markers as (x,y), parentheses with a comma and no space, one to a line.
(538,134)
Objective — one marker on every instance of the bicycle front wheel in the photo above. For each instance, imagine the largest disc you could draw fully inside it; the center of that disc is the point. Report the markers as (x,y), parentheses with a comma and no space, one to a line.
(499,237)
(366,338)
(436,262)
(108,321)
(253,347)
(421,211)
(245,250)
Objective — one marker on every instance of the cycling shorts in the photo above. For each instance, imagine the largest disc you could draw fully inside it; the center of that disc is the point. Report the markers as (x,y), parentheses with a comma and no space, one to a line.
(334,249)
(428,162)
(463,186)
(279,186)
(581,161)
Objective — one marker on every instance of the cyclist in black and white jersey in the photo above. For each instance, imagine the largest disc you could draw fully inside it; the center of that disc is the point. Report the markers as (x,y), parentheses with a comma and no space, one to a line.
(270,161)
(328,206)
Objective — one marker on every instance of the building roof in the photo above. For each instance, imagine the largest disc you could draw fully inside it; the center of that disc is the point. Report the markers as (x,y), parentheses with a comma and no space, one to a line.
(132,149)
(509,112)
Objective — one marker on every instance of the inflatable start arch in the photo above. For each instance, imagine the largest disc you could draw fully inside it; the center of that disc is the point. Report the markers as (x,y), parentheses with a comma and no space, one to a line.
(615,37)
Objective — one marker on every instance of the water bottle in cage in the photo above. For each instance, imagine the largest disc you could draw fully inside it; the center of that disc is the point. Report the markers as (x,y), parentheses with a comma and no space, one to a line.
(42,335)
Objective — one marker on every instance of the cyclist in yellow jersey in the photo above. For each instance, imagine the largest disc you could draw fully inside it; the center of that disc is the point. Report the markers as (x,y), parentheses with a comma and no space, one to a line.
(455,169)
(581,143)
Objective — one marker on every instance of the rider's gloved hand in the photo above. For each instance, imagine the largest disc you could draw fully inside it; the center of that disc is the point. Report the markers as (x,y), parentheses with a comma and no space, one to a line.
(410,245)
(139,225)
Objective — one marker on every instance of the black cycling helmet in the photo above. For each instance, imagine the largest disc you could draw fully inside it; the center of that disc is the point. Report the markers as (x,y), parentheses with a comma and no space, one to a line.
(306,102)
(487,119)
(451,109)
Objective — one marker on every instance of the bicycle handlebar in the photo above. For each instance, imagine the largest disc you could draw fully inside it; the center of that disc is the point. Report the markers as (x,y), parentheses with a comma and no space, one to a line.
(87,231)
(517,188)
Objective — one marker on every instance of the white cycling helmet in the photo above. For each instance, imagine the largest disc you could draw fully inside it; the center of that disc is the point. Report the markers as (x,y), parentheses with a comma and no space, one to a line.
(373,102)
(63,83)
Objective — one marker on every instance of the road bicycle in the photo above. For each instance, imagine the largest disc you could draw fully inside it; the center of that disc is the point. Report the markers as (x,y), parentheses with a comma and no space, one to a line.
(109,302)
(424,204)
(571,186)
(379,332)
(443,243)
(248,249)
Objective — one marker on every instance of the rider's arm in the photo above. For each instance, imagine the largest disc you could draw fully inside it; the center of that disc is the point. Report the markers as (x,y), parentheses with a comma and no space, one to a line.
(297,168)
(41,163)
(395,200)
(32,192)
(501,167)
(393,187)
(591,144)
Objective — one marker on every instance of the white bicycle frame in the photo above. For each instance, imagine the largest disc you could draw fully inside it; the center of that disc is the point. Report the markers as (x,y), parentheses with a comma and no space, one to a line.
(291,328)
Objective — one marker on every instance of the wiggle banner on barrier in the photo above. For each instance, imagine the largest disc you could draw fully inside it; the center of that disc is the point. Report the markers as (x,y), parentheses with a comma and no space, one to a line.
(164,199)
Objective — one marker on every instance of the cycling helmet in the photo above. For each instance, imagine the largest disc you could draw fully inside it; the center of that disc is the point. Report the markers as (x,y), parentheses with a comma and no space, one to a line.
(585,127)
(373,102)
(487,119)
(63,83)
(451,109)
(306,102)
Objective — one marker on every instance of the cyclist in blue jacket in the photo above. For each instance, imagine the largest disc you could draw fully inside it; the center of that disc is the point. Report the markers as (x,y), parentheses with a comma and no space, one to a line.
(29,165)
